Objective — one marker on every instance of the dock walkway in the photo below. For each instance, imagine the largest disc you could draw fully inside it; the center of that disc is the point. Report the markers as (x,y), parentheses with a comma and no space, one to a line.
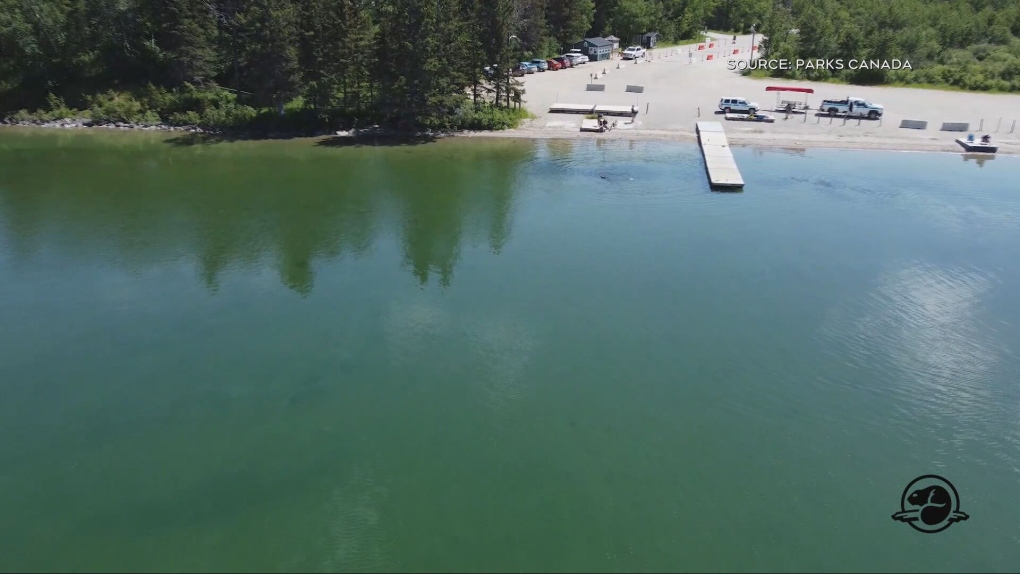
(719,163)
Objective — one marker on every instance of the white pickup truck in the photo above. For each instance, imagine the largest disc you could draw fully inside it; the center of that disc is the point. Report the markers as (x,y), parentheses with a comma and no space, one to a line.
(852,107)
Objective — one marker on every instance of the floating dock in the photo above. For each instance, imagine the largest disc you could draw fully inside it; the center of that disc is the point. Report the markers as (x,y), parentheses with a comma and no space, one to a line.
(719,163)
(977,147)
(614,110)
(591,109)
(572,109)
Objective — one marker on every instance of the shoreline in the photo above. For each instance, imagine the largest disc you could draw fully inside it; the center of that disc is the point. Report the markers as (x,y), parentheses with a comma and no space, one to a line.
(759,139)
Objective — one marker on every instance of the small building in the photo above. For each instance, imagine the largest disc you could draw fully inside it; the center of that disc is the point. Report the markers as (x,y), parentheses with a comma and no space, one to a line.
(595,48)
(615,42)
(649,40)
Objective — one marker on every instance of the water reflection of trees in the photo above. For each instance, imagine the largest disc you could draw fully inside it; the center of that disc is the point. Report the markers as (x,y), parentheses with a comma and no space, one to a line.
(463,193)
(238,207)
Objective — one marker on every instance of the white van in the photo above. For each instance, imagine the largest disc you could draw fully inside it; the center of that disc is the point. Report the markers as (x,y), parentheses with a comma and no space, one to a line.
(733,104)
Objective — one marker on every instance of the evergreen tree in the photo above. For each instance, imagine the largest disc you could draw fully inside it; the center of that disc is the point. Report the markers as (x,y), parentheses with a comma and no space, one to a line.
(187,37)
(570,20)
(269,60)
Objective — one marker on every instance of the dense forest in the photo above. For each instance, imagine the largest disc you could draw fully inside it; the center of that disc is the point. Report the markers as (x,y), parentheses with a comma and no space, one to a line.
(410,64)
(968,44)
(414,64)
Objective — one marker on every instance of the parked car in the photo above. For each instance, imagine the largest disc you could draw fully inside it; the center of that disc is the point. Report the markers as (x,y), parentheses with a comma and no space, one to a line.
(553,64)
(528,67)
(564,61)
(633,53)
(576,57)
(853,107)
(540,64)
(734,104)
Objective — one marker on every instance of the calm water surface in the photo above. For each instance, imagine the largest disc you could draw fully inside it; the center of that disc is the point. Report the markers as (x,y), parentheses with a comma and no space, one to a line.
(501,356)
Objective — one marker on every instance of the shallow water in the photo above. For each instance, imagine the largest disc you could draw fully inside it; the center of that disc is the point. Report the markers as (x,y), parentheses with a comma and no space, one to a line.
(501,356)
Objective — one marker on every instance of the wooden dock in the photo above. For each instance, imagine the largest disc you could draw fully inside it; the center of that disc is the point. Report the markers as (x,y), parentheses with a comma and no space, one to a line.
(592,109)
(719,163)
(572,109)
(615,110)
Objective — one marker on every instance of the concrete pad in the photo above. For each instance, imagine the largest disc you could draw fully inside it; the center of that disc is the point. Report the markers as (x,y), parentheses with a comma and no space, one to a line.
(914,124)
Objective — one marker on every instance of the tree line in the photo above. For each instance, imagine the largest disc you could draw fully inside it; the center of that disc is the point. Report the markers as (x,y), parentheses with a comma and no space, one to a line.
(968,44)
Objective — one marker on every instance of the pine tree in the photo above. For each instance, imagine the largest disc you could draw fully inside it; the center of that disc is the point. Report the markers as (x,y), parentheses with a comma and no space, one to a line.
(187,37)
(269,59)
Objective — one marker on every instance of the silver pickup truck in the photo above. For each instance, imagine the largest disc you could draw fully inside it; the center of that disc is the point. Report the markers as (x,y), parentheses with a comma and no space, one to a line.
(852,107)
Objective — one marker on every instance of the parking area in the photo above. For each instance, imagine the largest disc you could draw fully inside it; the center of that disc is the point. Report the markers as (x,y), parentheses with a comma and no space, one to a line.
(676,87)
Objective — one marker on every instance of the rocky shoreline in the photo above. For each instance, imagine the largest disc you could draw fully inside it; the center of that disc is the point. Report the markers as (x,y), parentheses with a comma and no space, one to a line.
(72,123)
(86,123)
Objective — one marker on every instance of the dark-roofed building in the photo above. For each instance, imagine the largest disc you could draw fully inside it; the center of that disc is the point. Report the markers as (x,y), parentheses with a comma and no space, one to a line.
(595,48)
(649,40)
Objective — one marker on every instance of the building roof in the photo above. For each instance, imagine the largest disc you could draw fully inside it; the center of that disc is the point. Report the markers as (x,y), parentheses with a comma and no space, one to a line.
(598,41)
(650,34)
(612,38)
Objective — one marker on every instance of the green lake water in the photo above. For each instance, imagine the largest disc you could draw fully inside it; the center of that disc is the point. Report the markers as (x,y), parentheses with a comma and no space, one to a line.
(501,355)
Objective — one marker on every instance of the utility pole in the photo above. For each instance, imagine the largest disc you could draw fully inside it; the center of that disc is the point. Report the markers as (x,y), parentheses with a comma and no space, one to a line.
(751,57)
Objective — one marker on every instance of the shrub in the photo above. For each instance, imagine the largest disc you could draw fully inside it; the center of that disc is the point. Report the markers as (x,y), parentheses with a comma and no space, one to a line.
(116,107)
(490,117)
(57,109)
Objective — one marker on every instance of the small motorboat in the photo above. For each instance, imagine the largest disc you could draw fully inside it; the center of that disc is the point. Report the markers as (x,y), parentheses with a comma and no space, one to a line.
(982,146)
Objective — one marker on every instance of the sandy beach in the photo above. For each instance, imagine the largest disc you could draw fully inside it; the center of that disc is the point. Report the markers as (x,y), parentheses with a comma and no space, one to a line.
(682,87)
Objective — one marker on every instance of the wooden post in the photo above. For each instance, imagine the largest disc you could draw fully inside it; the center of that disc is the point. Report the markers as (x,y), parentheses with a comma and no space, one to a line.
(1013,128)
(699,111)
(981,126)
(998,125)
